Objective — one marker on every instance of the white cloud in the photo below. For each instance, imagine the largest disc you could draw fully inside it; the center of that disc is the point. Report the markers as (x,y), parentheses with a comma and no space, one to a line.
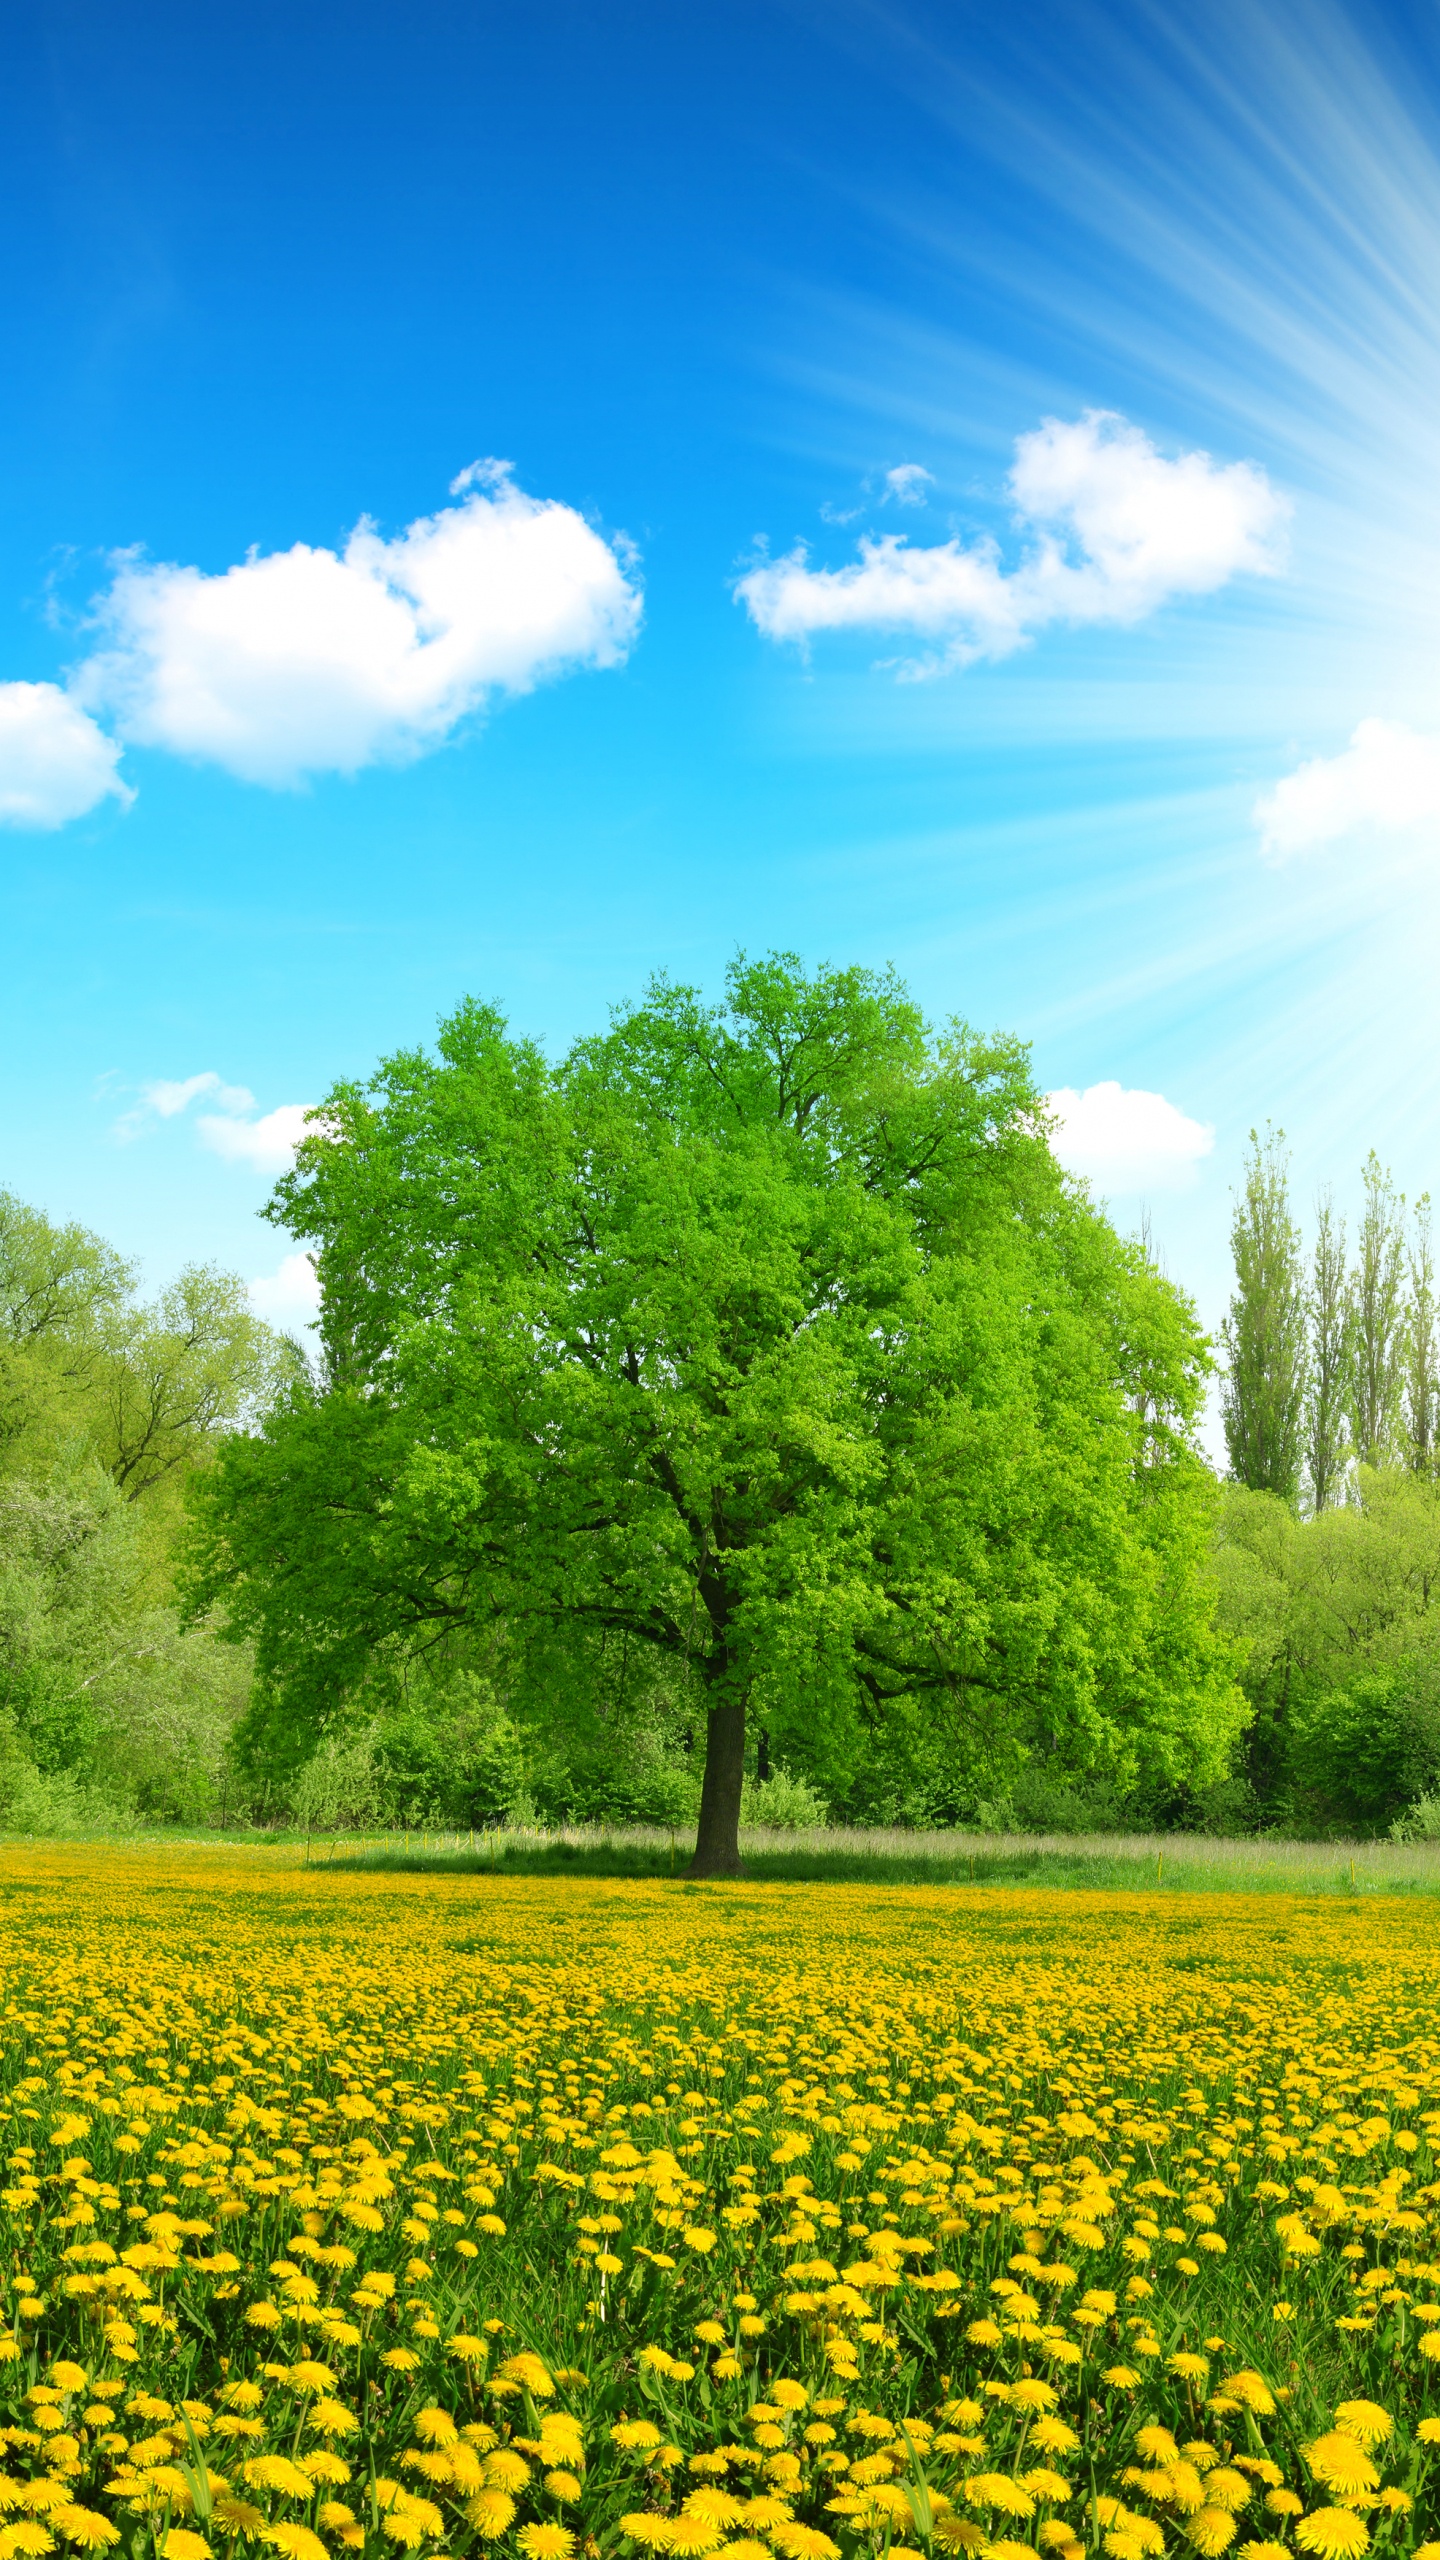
(268,1143)
(1114,528)
(1124,1139)
(1388,777)
(907,483)
(55,764)
(308,660)
(289,1298)
(166,1099)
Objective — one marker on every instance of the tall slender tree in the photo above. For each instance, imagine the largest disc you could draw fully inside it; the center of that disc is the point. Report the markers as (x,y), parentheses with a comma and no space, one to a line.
(1422,1344)
(1263,1396)
(1327,1389)
(1377,1319)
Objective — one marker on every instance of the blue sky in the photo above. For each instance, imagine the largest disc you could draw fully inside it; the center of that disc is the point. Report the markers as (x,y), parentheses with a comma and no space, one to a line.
(960,474)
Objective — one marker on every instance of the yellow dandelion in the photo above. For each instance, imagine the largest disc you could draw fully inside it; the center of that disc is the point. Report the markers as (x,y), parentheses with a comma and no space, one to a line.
(691,2534)
(545,2542)
(506,2470)
(995,2489)
(273,2471)
(1333,2533)
(1252,2391)
(563,2486)
(651,2530)
(1340,2463)
(82,2526)
(292,2541)
(715,2506)
(492,2512)
(804,2542)
(1211,2531)
(1366,2420)
(1051,2486)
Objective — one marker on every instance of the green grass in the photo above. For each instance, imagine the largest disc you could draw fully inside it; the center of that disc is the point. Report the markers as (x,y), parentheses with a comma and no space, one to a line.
(1177,1864)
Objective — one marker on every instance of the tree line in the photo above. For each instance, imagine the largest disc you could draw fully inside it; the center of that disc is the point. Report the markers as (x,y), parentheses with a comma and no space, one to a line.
(739,1415)
(1332,1357)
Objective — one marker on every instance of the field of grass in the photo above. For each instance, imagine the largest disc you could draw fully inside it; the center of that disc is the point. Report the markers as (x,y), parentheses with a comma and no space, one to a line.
(1122,1862)
(395,2211)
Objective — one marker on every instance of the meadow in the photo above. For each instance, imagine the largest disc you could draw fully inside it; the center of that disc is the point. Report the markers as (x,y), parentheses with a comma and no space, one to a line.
(354,2211)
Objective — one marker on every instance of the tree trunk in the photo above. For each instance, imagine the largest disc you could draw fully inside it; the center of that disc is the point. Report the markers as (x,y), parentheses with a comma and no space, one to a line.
(717,1842)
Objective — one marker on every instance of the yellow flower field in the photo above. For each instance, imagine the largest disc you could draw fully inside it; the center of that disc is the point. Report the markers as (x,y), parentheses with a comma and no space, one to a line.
(391,2214)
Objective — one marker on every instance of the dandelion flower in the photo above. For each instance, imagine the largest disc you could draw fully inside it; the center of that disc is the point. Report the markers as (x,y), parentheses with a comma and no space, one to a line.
(1333,2533)
(715,2506)
(492,2512)
(1340,2463)
(82,2526)
(804,2542)
(506,2470)
(545,2542)
(292,2541)
(1366,2420)
(692,2534)
(1211,2531)
(995,2489)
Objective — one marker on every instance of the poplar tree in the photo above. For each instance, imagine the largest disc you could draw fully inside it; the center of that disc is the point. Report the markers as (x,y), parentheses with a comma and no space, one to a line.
(1327,1385)
(1377,1319)
(1422,1347)
(1263,1395)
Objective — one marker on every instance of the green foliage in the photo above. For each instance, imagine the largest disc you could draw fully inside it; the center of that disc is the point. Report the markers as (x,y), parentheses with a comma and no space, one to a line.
(1341,1619)
(107,1707)
(1378,1321)
(1263,1395)
(765,1341)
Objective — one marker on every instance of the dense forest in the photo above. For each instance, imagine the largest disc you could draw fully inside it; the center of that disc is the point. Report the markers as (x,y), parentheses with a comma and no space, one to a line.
(740,1415)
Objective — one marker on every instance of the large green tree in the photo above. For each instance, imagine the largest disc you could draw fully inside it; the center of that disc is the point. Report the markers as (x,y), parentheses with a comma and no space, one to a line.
(766,1335)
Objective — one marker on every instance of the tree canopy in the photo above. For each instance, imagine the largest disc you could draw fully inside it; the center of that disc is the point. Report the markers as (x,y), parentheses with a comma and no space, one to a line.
(765,1337)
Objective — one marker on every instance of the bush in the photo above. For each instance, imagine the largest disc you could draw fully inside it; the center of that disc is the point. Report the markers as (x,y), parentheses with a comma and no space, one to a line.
(782,1803)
